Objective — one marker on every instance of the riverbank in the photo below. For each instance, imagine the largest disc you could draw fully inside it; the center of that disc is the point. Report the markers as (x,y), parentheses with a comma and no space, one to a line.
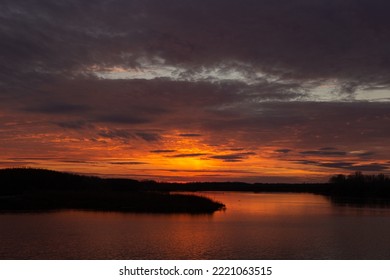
(35,190)
(28,189)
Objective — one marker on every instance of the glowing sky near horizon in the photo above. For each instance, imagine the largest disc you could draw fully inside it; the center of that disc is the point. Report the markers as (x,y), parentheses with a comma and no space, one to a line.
(255,91)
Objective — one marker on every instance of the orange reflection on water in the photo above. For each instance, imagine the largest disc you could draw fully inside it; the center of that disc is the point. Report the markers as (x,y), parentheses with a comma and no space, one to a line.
(275,204)
(254,226)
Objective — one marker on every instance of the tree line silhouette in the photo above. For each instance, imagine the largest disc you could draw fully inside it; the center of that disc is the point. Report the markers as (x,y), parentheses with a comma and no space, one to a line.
(25,189)
(28,189)
(359,179)
(358,188)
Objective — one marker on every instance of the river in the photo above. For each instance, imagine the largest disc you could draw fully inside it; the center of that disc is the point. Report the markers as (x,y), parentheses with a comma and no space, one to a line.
(253,226)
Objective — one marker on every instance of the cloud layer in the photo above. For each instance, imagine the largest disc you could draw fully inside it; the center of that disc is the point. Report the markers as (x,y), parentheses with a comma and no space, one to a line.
(284,88)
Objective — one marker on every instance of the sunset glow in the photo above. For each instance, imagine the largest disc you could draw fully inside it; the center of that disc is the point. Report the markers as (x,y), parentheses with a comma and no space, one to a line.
(225,91)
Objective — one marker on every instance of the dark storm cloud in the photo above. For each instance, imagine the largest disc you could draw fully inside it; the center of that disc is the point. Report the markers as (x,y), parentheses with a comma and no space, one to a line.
(149,137)
(133,102)
(324,153)
(302,39)
(237,72)
(374,167)
(341,164)
(125,134)
(116,134)
(328,149)
(236,157)
(348,123)
(77,124)
(350,166)
(55,44)
(366,154)
(309,162)
(57,108)
(162,151)
(121,119)
(283,151)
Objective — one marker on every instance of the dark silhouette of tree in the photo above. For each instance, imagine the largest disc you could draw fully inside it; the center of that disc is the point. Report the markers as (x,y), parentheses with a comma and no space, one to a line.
(360,189)
(28,189)
(338,179)
(359,179)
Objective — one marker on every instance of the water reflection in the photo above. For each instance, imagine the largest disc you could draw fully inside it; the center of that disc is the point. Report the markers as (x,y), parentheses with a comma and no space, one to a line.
(260,204)
(254,226)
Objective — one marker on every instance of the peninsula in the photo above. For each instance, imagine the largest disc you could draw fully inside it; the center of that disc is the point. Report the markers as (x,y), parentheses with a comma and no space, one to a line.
(28,189)
(32,190)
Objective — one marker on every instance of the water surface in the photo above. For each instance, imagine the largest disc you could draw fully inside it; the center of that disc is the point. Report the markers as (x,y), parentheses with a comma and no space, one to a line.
(254,226)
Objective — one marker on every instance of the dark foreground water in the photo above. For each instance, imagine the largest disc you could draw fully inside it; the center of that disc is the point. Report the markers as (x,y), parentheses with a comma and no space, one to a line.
(254,226)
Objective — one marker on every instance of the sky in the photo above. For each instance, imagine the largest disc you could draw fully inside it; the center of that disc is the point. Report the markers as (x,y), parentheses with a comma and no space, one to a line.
(194,90)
